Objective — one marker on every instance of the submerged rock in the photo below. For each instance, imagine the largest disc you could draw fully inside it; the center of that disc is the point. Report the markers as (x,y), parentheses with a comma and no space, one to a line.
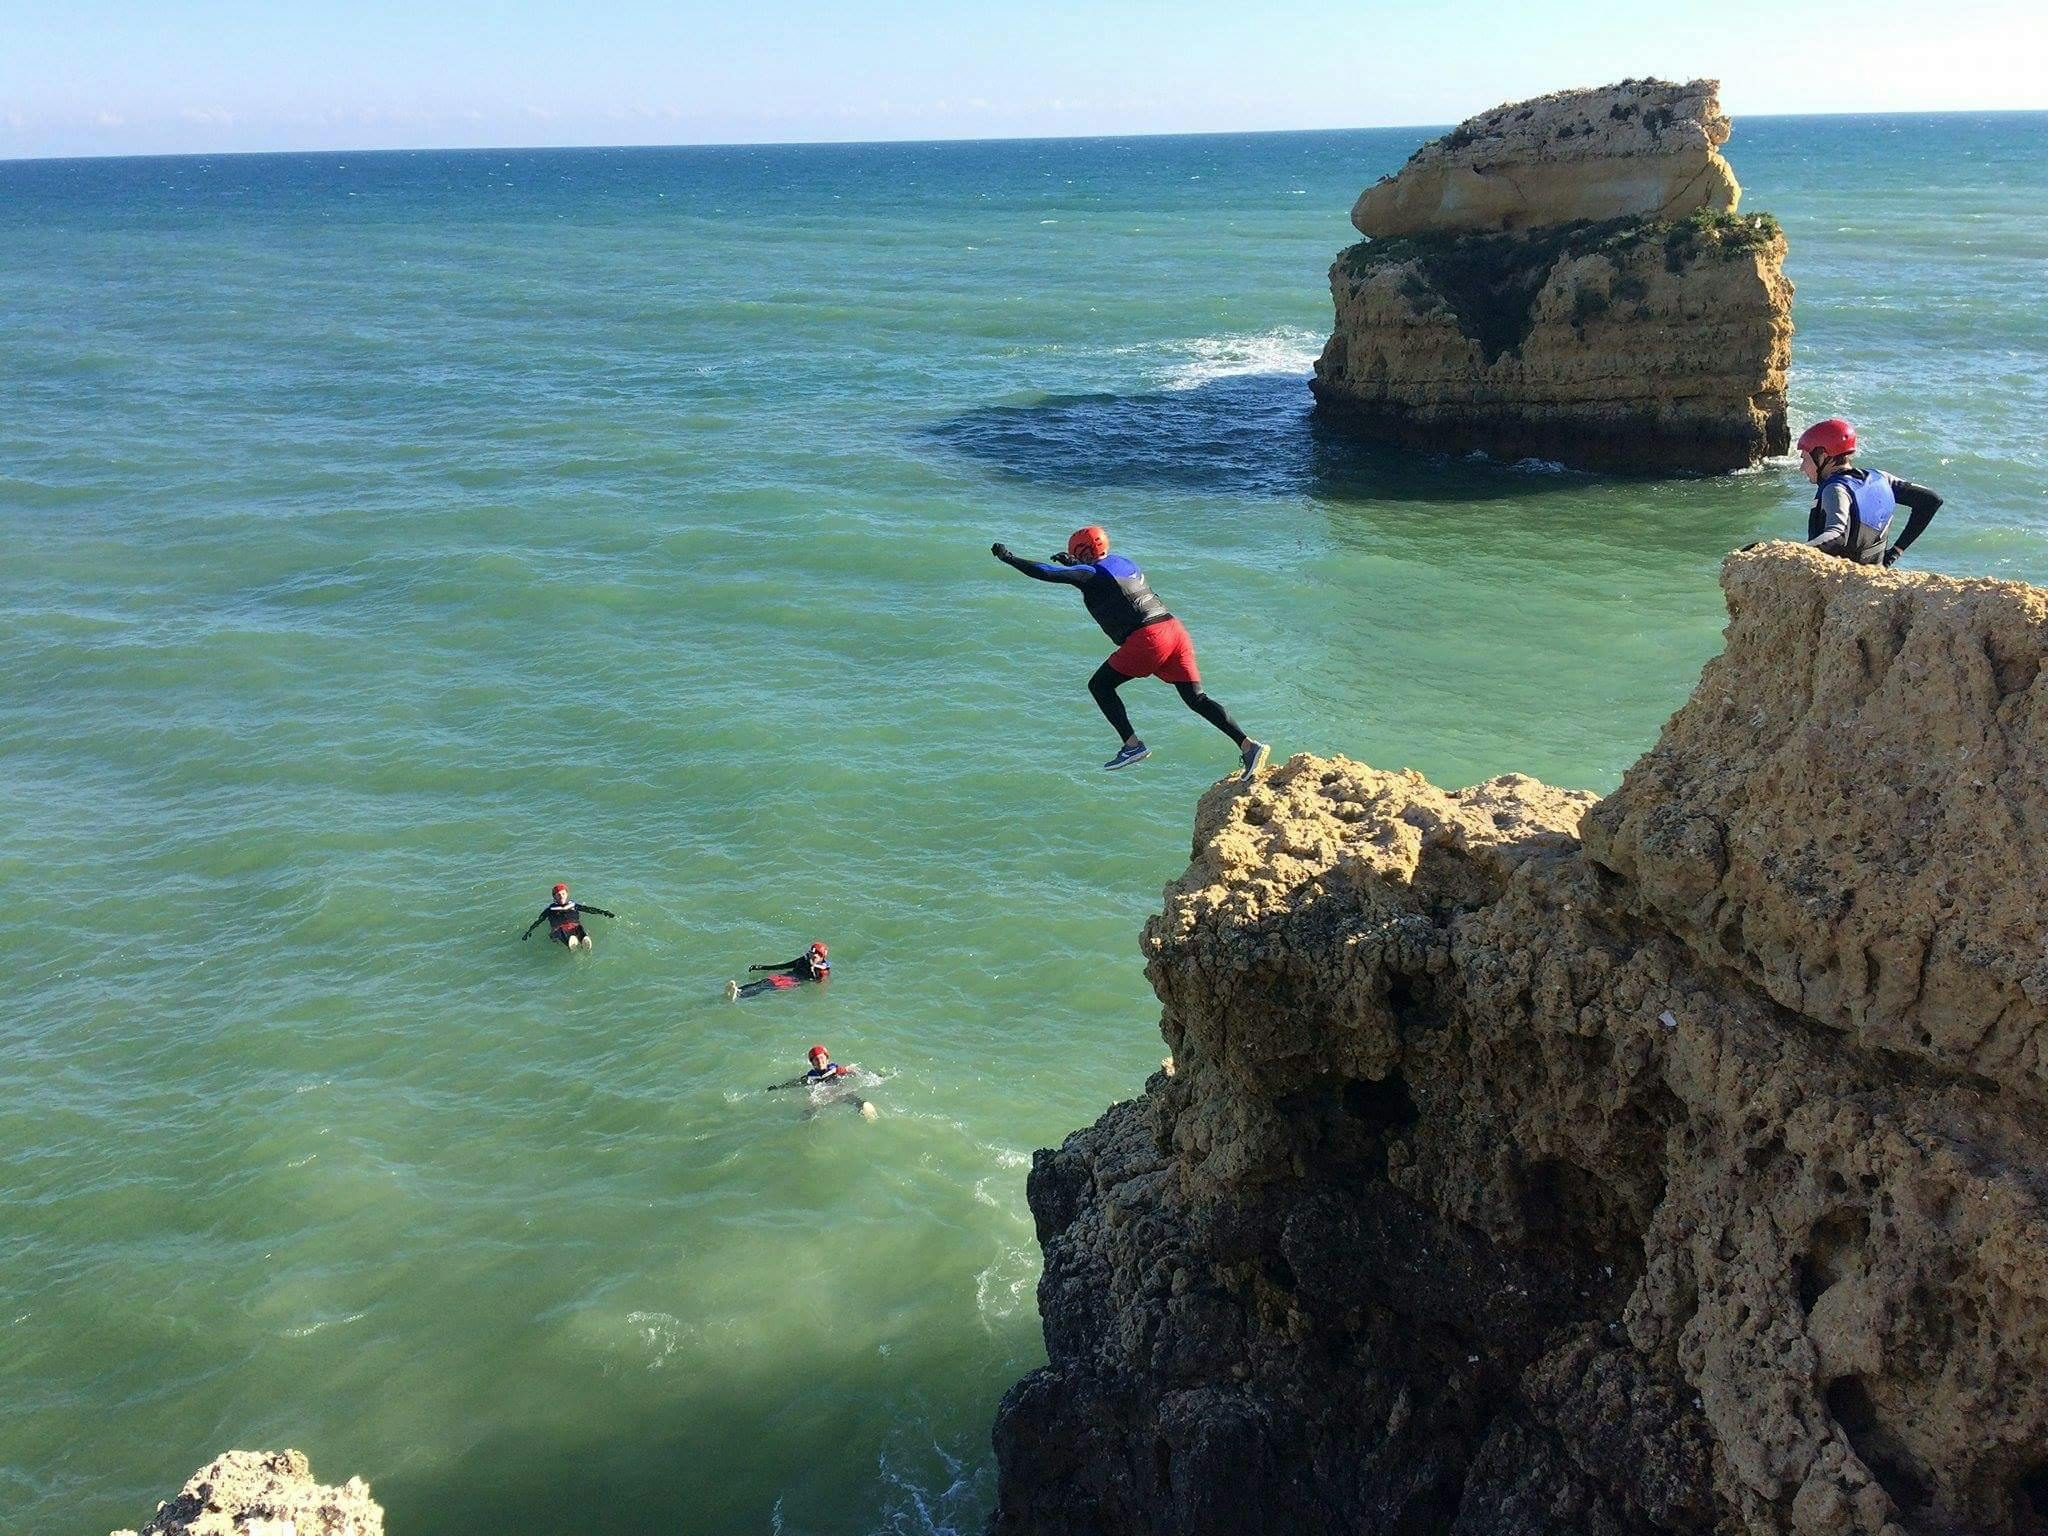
(1512,1184)
(1567,278)
(265,1493)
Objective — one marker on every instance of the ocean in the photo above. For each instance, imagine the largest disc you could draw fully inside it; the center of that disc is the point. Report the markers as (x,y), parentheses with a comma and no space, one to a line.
(392,535)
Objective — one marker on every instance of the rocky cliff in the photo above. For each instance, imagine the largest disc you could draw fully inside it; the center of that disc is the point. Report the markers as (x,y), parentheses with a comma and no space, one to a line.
(1673,1163)
(1567,278)
(265,1493)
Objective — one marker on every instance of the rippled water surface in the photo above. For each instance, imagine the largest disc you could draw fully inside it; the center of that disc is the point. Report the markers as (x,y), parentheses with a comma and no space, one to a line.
(389,536)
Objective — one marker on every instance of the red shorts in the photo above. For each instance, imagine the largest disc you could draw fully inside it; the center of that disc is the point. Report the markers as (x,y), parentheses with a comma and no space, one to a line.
(1163,650)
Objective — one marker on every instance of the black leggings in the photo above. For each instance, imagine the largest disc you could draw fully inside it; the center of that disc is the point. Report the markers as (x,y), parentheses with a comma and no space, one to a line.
(1107,680)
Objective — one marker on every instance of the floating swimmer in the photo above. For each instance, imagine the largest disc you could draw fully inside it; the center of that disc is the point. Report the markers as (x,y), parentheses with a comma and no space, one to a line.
(811,965)
(1853,508)
(564,920)
(1150,642)
(826,1074)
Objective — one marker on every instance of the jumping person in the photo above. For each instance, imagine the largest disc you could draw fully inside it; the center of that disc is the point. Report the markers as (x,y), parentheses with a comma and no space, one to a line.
(565,920)
(811,965)
(1853,508)
(1150,642)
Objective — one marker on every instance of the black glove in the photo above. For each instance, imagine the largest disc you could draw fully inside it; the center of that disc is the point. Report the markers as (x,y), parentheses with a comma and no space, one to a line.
(1063,558)
(1891,556)
(1000,551)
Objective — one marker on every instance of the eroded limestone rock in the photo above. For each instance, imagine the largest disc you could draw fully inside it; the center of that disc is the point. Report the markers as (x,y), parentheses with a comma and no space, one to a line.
(1496,1192)
(1643,149)
(1589,297)
(265,1493)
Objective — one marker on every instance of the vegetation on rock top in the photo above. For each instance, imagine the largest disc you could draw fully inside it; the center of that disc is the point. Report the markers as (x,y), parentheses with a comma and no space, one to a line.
(1491,281)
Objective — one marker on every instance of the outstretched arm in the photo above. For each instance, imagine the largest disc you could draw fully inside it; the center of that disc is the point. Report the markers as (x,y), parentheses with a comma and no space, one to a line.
(787,968)
(531,926)
(600,911)
(794,1082)
(1923,504)
(1039,570)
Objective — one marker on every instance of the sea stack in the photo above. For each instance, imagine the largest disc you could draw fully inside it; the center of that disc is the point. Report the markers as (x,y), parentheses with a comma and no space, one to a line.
(1661,1165)
(1567,278)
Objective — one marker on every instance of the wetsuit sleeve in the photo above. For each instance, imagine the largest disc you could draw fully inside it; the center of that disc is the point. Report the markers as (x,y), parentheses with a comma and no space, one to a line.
(1040,570)
(1919,501)
(533,925)
(787,968)
(600,911)
(1835,503)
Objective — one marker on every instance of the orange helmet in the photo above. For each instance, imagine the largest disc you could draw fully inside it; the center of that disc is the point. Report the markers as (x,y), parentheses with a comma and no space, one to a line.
(1088,544)
(818,948)
(560,891)
(818,1050)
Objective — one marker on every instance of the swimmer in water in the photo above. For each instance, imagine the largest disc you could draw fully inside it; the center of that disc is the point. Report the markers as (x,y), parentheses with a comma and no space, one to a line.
(564,918)
(823,1073)
(811,965)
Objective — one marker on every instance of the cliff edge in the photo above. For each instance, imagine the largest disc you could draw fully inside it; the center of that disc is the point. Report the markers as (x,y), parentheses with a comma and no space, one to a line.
(1670,1163)
(1567,278)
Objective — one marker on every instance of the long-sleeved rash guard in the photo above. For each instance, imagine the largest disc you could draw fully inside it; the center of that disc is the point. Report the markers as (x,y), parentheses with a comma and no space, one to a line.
(1115,590)
(803,967)
(1836,524)
(561,916)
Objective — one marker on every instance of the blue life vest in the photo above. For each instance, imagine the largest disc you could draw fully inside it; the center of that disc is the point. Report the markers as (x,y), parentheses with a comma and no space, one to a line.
(1871,505)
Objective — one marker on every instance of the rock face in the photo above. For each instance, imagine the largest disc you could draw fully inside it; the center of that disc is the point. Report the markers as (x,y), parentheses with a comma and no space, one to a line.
(1688,1178)
(265,1493)
(1643,149)
(1567,279)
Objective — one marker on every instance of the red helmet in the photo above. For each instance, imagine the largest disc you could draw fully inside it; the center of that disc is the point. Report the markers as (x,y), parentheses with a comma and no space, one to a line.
(818,1050)
(1088,544)
(1833,437)
(561,891)
(818,948)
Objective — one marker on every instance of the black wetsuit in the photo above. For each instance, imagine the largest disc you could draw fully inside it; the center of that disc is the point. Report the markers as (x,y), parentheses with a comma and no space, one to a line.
(1121,601)
(1836,525)
(792,974)
(831,1072)
(564,920)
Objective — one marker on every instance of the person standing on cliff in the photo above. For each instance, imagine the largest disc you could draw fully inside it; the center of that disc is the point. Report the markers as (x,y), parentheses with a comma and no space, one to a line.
(1150,642)
(1853,508)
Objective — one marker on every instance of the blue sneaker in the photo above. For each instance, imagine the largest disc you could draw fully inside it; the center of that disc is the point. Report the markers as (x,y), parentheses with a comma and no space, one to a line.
(1137,751)
(1253,757)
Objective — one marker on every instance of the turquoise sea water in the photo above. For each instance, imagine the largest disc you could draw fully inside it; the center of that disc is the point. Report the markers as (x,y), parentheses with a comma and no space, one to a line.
(389,536)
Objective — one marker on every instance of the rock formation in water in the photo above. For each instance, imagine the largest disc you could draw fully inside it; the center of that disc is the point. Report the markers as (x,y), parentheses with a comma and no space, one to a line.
(265,1493)
(1671,1163)
(1567,278)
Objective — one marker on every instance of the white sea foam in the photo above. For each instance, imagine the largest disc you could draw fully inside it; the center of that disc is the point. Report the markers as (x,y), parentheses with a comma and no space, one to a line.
(659,1332)
(307,1330)
(1003,1289)
(1198,360)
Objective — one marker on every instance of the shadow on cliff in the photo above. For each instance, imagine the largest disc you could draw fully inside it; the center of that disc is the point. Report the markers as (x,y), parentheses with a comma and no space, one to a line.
(1242,435)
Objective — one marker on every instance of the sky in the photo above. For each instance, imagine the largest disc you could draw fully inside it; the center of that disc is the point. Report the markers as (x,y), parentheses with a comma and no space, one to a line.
(95,77)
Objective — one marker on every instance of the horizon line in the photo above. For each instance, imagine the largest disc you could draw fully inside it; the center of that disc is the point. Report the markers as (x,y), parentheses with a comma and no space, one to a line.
(1022,138)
